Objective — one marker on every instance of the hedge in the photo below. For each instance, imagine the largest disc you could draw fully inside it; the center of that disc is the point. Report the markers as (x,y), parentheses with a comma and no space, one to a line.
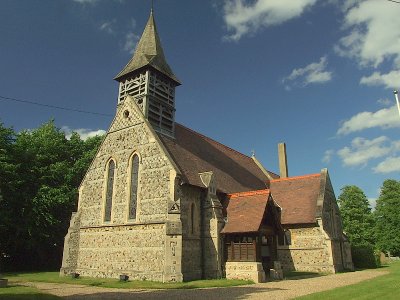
(365,257)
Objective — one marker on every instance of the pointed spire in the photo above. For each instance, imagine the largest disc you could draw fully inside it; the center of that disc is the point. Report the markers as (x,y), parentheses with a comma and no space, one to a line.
(149,53)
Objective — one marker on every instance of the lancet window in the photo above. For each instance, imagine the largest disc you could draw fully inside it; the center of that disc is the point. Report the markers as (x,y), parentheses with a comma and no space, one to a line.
(134,187)
(109,190)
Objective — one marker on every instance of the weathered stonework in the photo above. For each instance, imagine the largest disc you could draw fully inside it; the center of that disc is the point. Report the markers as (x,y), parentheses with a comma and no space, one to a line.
(191,233)
(308,252)
(123,246)
(321,247)
(212,224)
(71,246)
(245,271)
(114,250)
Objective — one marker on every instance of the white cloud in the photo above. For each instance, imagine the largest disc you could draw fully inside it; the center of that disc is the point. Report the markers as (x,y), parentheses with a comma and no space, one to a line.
(246,17)
(385,102)
(84,133)
(108,26)
(389,80)
(91,2)
(384,118)
(373,36)
(362,150)
(85,1)
(131,38)
(390,164)
(311,74)
(328,156)
(372,203)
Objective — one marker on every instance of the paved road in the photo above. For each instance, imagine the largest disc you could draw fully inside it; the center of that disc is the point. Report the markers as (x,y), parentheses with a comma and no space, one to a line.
(286,289)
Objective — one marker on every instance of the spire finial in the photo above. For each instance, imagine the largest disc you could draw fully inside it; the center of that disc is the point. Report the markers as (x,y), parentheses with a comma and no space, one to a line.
(152,6)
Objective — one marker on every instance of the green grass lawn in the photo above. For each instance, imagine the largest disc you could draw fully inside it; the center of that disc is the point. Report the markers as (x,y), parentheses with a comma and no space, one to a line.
(15,292)
(383,287)
(294,275)
(115,283)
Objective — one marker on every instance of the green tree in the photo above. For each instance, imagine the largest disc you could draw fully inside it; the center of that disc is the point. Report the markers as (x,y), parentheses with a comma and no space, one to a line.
(358,221)
(387,216)
(42,171)
(7,175)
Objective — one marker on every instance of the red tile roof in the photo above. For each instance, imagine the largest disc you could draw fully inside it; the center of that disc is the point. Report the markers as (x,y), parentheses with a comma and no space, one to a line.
(297,196)
(195,153)
(246,211)
(239,175)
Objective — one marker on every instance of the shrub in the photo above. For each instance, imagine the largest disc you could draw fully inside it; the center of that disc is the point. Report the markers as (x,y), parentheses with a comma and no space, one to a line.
(377,254)
(364,256)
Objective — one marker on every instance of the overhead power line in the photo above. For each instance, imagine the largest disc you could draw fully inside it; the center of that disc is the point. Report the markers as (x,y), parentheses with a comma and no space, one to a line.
(394,1)
(53,106)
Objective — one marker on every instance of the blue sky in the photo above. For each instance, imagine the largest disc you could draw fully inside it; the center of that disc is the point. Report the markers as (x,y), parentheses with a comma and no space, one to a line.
(315,74)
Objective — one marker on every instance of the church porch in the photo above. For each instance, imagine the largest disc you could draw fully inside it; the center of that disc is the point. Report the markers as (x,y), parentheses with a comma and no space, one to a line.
(250,237)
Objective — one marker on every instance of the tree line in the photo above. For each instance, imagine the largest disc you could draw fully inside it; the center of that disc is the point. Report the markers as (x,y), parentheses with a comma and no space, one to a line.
(377,230)
(40,172)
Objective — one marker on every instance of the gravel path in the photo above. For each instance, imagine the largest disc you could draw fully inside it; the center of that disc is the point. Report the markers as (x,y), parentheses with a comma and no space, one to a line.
(286,289)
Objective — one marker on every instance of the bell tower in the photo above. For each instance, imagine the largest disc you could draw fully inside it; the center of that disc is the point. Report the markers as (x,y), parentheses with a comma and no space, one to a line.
(150,81)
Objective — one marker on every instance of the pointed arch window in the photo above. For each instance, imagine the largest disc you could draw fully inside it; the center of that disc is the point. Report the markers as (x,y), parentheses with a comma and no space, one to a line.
(109,190)
(134,187)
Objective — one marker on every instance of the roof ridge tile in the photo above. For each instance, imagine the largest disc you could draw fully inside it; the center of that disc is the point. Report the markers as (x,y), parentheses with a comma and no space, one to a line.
(249,193)
(296,177)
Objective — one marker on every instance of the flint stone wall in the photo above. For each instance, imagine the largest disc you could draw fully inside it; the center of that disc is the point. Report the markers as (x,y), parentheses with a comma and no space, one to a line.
(71,246)
(212,240)
(332,224)
(321,248)
(310,251)
(191,241)
(134,247)
(135,250)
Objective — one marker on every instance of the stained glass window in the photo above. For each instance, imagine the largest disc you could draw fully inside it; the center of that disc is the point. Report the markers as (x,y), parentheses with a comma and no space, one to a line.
(109,191)
(134,187)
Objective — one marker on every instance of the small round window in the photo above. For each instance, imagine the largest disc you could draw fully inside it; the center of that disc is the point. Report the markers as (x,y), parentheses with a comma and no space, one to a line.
(126,113)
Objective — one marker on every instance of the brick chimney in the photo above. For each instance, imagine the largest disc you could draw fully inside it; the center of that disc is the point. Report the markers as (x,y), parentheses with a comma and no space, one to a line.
(283,168)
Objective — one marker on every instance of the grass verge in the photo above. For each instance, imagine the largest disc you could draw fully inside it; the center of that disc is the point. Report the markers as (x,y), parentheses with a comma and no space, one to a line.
(16,292)
(383,287)
(54,277)
(294,275)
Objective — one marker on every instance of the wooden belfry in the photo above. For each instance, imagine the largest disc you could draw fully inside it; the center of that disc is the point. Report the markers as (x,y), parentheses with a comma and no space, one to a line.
(150,81)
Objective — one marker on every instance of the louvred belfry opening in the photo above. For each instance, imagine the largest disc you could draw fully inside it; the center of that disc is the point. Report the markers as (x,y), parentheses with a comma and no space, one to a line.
(150,81)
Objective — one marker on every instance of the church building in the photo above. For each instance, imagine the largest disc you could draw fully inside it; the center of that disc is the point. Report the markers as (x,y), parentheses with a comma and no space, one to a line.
(162,202)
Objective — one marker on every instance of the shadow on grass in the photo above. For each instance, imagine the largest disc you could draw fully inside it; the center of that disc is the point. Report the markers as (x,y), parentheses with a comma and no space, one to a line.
(96,284)
(234,293)
(376,268)
(18,292)
(52,277)
(296,275)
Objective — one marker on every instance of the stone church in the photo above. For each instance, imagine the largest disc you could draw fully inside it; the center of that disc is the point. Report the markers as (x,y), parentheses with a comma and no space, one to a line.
(165,203)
